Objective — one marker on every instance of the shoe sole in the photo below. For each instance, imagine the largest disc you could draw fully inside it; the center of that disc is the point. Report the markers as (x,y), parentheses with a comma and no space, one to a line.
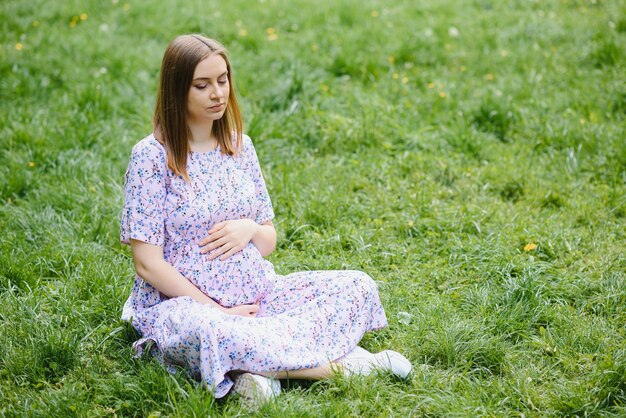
(254,393)
(400,365)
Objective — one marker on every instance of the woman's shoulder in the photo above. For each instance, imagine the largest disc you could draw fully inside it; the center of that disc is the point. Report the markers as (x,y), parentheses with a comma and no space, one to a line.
(246,143)
(149,146)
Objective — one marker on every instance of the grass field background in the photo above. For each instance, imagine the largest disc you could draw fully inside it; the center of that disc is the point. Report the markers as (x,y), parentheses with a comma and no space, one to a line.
(469,155)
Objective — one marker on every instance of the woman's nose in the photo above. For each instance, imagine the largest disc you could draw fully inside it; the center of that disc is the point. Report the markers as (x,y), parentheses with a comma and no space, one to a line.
(217,93)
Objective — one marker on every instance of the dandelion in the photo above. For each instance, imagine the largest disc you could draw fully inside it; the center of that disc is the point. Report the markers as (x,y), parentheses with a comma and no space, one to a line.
(489,77)
(74,21)
(582,121)
(431,85)
(374,13)
(31,164)
(325,88)
(35,23)
(243,32)
(19,46)
(83,16)
(504,53)
(314,47)
(391,59)
(530,246)
(396,76)
(453,32)
(271,34)
(404,80)
(463,68)
(126,7)
(442,94)
(410,224)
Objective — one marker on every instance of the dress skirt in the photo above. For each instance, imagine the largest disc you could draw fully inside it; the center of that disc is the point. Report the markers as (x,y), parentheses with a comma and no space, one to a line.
(305,320)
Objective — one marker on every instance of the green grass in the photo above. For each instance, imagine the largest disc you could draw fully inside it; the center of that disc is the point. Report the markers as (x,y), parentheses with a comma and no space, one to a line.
(426,143)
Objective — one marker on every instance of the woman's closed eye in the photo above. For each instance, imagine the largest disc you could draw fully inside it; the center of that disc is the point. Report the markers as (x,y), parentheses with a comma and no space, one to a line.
(202,86)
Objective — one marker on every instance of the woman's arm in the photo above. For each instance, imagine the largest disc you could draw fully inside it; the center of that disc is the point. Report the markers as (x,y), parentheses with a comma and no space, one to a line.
(228,237)
(152,267)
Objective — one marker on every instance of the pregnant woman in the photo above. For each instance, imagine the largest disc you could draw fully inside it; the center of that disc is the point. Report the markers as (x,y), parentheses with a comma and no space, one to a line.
(198,218)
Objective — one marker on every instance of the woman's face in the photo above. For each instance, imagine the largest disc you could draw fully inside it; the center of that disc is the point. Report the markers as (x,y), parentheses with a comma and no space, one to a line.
(208,94)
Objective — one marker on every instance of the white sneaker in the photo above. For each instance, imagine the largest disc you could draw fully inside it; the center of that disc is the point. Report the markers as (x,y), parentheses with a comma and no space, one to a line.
(256,390)
(362,362)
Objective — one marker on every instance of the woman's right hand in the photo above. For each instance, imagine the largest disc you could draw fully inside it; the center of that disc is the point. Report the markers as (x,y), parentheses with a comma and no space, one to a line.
(243,310)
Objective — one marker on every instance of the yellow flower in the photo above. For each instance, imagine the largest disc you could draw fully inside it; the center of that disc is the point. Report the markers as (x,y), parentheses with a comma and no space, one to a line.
(271,34)
(325,88)
(442,94)
(314,47)
(530,246)
(374,13)
(463,68)
(126,7)
(391,59)
(19,46)
(396,76)
(409,224)
(431,85)
(405,80)
(504,53)
(35,23)
(489,77)
(31,163)
(243,32)
(83,16)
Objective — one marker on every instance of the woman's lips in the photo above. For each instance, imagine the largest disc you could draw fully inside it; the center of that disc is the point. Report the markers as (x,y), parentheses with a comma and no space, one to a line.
(217,107)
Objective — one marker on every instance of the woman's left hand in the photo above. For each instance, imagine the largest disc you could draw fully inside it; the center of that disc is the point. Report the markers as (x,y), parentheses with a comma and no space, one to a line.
(228,237)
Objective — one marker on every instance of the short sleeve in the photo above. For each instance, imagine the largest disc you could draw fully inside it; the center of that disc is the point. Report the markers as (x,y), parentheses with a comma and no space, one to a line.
(144,194)
(252,167)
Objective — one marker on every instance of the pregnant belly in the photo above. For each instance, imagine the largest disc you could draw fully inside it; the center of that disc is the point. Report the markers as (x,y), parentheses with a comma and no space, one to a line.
(243,278)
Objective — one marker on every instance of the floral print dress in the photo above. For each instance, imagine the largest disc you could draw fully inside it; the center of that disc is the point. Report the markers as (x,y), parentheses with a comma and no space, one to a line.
(306,319)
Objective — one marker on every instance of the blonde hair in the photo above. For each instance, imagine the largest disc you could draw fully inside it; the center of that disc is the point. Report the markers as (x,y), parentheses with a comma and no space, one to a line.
(170,114)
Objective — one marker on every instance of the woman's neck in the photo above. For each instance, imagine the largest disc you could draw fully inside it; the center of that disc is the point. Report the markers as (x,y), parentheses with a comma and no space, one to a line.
(202,138)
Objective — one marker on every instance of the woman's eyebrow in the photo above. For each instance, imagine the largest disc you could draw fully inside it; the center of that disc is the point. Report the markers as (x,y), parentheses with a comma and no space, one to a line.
(209,78)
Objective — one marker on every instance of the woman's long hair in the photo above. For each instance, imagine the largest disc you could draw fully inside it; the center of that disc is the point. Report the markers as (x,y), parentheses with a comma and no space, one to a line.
(170,114)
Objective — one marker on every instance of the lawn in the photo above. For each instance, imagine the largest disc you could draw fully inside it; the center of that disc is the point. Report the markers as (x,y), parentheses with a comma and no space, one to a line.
(469,155)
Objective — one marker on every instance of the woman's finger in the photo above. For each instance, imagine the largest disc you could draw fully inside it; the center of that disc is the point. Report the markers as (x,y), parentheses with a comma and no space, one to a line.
(219,242)
(230,252)
(217,227)
(221,250)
